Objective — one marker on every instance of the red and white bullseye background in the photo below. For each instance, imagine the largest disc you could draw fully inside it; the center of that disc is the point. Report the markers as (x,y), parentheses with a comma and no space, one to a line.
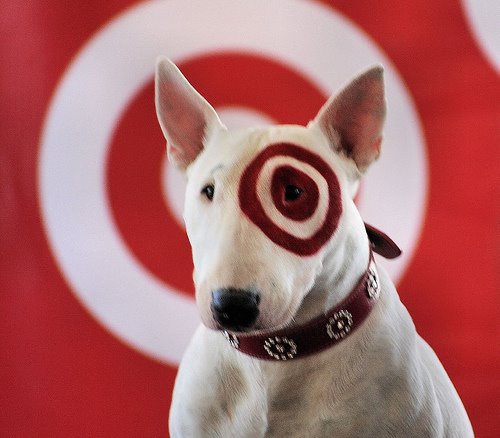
(95,267)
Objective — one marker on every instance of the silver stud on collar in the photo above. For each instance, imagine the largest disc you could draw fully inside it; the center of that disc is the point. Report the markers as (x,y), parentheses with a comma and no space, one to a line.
(232,339)
(339,325)
(280,347)
(373,283)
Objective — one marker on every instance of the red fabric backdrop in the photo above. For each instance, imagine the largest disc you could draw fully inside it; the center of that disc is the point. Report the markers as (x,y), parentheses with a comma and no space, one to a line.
(63,373)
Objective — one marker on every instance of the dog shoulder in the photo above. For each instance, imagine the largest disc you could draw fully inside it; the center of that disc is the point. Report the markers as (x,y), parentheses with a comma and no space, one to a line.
(415,372)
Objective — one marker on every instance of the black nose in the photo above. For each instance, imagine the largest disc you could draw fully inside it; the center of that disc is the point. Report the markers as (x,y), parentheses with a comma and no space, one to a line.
(235,309)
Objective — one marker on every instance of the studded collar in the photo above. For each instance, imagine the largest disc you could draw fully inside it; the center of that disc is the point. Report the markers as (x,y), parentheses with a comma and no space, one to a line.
(328,329)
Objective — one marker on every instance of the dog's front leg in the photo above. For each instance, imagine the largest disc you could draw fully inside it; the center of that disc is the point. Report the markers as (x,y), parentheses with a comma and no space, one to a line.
(217,393)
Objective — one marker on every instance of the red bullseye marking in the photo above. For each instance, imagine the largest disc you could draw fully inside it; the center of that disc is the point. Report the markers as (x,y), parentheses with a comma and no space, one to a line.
(137,152)
(251,205)
(302,208)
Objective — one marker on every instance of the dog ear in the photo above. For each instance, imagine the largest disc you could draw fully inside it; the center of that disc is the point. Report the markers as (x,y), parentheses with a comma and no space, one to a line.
(353,119)
(185,117)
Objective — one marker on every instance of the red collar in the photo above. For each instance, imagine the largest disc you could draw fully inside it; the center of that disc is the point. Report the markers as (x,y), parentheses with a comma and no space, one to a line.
(326,330)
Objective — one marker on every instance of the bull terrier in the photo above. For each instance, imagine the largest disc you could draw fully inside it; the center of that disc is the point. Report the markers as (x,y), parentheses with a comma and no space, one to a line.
(302,334)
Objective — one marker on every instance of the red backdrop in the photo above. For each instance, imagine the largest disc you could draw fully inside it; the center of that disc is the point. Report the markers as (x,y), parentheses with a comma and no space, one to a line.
(63,373)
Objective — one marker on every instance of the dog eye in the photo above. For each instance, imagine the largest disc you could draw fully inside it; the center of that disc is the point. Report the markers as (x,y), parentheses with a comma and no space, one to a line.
(292,193)
(208,191)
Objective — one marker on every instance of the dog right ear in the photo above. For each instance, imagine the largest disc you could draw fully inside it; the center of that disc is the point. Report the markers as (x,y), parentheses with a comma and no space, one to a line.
(353,119)
(185,117)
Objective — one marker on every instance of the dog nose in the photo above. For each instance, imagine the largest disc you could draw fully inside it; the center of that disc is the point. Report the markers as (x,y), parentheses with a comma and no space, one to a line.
(235,309)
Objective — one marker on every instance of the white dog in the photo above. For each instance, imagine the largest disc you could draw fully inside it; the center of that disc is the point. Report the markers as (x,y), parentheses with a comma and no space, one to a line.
(302,335)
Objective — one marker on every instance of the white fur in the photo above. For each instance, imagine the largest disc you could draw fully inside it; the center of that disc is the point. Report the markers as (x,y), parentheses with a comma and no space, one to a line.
(381,381)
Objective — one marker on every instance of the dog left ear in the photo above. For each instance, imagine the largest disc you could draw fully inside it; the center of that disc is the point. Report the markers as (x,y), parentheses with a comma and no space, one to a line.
(185,117)
(353,119)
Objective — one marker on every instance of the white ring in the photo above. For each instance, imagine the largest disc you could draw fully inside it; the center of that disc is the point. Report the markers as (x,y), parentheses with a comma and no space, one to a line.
(483,18)
(103,79)
(300,229)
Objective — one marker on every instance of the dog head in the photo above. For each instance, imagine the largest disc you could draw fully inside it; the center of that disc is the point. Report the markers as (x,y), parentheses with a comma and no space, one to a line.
(264,206)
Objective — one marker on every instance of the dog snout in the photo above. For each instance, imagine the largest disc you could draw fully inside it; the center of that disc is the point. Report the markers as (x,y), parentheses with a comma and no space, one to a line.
(235,309)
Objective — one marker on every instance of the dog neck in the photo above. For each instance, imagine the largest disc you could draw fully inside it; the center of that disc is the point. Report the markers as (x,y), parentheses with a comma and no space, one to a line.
(342,268)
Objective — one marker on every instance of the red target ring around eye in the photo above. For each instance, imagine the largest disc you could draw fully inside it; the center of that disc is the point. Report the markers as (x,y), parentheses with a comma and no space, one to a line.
(252,207)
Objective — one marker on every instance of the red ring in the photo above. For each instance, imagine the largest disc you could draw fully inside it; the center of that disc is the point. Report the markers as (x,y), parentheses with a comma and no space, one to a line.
(252,208)
(133,174)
